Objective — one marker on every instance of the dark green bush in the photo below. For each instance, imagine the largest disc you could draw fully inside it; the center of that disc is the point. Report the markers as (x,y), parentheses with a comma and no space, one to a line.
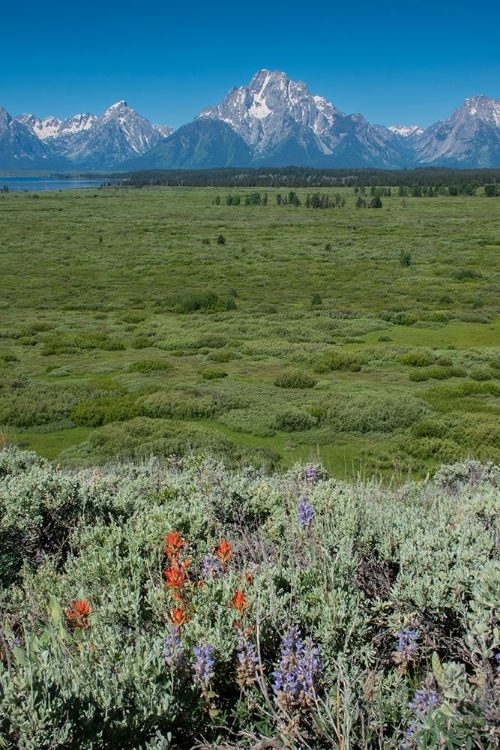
(203,301)
(338,359)
(417,358)
(295,379)
(99,411)
(294,420)
(149,365)
(213,373)
(466,274)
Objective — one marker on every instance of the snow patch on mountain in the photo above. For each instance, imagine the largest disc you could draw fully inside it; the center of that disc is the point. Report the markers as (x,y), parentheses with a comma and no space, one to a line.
(405,131)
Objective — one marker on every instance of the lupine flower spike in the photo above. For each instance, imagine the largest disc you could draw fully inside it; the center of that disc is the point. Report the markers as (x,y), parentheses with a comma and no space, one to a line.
(295,679)
(406,649)
(173,650)
(78,613)
(305,513)
(203,666)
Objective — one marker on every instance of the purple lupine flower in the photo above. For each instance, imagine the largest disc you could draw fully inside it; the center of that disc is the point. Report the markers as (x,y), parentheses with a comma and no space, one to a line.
(408,740)
(13,641)
(424,699)
(247,661)
(203,665)
(173,650)
(311,474)
(211,567)
(497,657)
(296,676)
(406,649)
(305,513)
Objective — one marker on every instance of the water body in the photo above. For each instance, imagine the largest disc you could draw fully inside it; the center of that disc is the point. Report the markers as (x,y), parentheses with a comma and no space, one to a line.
(37,184)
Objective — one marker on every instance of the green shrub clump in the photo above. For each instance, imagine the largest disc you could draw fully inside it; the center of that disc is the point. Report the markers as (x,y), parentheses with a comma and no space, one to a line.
(213,373)
(417,358)
(149,365)
(295,379)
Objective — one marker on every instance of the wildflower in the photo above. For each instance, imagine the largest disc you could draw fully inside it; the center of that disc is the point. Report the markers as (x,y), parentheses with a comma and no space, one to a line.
(13,641)
(423,700)
(175,576)
(224,552)
(173,544)
(247,661)
(78,613)
(178,617)
(203,665)
(305,513)
(497,657)
(298,671)
(211,567)
(173,650)
(406,649)
(311,474)
(239,603)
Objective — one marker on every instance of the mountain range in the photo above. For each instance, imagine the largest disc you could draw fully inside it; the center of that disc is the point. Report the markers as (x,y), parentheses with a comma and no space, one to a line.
(273,121)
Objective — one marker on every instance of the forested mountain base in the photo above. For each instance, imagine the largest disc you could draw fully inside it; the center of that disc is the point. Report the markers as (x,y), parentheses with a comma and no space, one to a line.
(176,604)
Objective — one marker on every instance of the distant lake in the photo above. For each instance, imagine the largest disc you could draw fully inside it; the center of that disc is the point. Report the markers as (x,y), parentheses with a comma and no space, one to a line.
(37,184)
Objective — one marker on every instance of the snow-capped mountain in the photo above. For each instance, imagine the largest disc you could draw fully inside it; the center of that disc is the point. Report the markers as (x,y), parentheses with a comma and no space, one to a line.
(21,149)
(53,127)
(282,123)
(406,131)
(469,138)
(120,133)
(273,121)
(262,112)
(90,142)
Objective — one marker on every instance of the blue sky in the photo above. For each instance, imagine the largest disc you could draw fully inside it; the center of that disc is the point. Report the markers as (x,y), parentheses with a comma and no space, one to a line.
(395,62)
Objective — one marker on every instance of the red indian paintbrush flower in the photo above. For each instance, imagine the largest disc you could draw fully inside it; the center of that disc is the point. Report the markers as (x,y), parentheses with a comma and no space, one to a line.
(78,613)
(173,543)
(175,576)
(239,602)
(224,552)
(178,617)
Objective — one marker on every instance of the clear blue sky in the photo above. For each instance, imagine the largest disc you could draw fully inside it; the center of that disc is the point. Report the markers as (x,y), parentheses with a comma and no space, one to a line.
(406,62)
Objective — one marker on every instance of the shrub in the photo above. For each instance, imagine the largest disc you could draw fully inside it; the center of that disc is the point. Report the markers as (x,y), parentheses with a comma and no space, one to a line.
(98,411)
(417,358)
(372,412)
(295,379)
(294,420)
(149,365)
(337,359)
(222,355)
(480,373)
(466,274)
(203,301)
(212,373)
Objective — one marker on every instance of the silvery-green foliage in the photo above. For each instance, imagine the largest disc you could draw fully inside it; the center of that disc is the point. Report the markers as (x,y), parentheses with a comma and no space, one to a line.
(372,562)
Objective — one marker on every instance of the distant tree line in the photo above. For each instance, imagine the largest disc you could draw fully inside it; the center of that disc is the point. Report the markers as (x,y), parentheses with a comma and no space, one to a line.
(305,177)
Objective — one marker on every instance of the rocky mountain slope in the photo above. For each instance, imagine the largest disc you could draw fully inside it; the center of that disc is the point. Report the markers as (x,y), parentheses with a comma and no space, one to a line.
(273,121)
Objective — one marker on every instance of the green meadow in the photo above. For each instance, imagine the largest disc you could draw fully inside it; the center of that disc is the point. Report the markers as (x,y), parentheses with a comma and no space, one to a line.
(159,321)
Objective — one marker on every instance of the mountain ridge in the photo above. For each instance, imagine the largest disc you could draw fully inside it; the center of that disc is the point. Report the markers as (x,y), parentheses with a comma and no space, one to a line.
(272,121)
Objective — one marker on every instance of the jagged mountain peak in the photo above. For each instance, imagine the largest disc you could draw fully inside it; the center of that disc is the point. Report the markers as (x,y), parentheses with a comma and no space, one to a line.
(118,105)
(265,112)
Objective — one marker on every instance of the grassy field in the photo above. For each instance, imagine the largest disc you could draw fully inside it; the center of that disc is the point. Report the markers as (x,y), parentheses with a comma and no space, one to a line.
(155,321)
